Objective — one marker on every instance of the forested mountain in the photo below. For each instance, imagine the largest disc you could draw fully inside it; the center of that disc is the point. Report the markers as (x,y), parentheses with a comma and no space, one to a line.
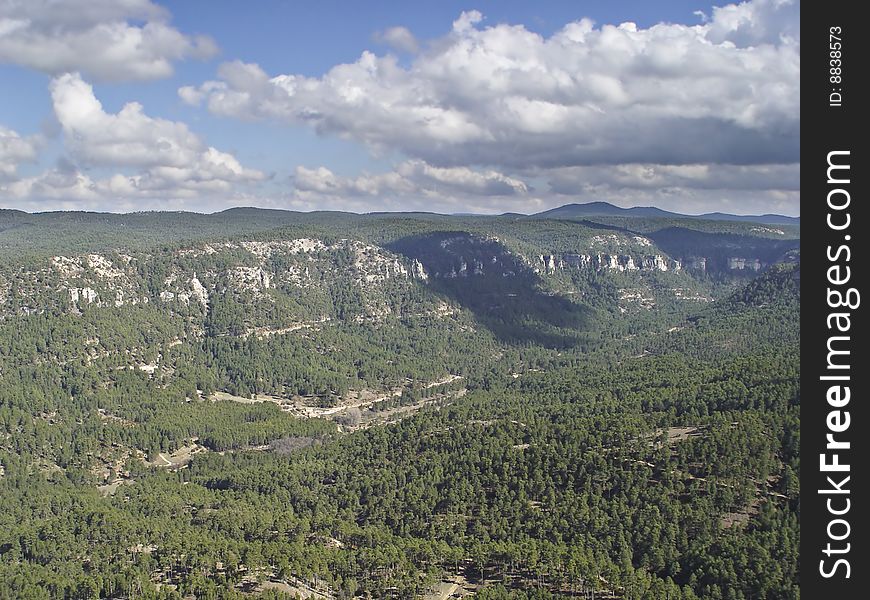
(605,209)
(326,405)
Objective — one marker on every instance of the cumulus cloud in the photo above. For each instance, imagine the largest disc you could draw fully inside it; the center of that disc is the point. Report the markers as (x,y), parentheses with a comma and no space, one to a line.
(411,185)
(416,185)
(757,22)
(462,180)
(111,40)
(399,38)
(487,118)
(411,178)
(169,156)
(572,180)
(15,150)
(68,188)
(61,183)
(147,158)
(323,181)
(507,97)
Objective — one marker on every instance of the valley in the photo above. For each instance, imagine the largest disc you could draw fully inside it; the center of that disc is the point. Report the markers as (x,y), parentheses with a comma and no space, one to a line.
(328,405)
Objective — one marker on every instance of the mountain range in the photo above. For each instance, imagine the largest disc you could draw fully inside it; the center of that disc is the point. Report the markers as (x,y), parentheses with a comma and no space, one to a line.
(605,209)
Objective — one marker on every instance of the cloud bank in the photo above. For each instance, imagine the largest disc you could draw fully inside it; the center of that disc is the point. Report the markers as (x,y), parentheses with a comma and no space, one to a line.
(691,118)
(167,161)
(505,96)
(108,40)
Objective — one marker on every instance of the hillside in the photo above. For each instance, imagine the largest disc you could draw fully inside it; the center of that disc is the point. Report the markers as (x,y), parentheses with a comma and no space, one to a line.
(605,209)
(272,404)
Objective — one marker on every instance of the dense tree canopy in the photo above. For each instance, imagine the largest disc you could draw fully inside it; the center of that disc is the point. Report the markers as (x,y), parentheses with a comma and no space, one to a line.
(532,435)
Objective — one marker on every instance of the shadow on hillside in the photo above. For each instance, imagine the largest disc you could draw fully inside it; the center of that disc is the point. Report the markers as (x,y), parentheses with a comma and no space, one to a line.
(719,247)
(504,294)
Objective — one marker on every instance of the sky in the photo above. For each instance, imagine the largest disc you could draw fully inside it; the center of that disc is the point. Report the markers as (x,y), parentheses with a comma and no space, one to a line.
(452,107)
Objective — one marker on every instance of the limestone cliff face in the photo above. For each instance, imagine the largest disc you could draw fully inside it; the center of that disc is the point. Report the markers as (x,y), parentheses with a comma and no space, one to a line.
(466,258)
(418,271)
(86,295)
(189,277)
(607,262)
(744,264)
(697,263)
(551,263)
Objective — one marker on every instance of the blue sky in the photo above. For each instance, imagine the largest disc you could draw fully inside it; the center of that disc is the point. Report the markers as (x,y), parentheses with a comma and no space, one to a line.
(455,106)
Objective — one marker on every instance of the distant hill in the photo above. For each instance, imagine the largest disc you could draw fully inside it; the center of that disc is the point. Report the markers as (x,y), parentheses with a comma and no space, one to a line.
(767,219)
(605,209)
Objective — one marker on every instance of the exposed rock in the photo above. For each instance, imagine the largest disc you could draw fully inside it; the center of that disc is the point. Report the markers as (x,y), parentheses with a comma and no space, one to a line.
(642,240)
(614,262)
(687,294)
(87,295)
(372,263)
(697,263)
(417,271)
(199,291)
(68,267)
(250,278)
(743,264)
(577,260)
(104,268)
(655,263)
(549,263)
(297,246)
(768,230)
(639,297)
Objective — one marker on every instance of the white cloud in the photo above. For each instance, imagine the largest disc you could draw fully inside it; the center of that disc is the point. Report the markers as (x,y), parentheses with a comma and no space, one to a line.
(572,180)
(461,180)
(411,185)
(757,22)
(55,184)
(507,97)
(399,38)
(15,150)
(323,181)
(488,118)
(111,40)
(58,189)
(416,185)
(466,21)
(67,188)
(169,156)
(413,177)
(147,159)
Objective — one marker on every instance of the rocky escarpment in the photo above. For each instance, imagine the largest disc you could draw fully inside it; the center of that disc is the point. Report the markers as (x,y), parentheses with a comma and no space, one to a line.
(550,263)
(725,253)
(309,277)
(451,255)
(190,277)
(744,264)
